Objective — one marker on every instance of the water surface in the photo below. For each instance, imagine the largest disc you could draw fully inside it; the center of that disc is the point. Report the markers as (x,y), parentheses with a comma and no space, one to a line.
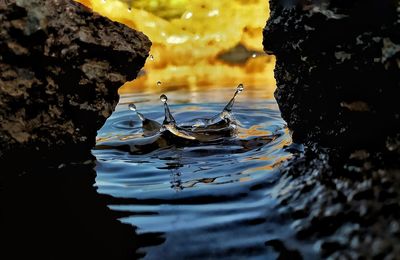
(205,200)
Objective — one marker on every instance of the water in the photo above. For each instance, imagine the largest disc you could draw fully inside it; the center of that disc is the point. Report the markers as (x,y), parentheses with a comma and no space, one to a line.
(206,199)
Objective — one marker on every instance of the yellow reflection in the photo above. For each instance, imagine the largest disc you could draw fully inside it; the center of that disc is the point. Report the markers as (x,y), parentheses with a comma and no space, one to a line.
(255,130)
(258,158)
(196,43)
(244,179)
(268,167)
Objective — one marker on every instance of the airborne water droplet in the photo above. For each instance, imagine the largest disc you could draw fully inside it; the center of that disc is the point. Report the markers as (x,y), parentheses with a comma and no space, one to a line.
(163,98)
(240,87)
(150,127)
(151,57)
(132,107)
(159,83)
(129,9)
(169,118)
(229,106)
(254,55)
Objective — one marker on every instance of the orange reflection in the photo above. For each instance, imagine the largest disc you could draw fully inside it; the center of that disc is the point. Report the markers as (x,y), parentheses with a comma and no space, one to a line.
(255,130)
(268,167)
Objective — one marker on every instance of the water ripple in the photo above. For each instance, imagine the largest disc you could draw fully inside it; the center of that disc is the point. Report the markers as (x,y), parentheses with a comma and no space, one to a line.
(207,200)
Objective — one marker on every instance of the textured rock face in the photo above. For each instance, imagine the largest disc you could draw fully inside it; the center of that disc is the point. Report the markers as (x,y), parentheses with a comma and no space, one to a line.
(338,76)
(345,204)
(60,68)
(338,68)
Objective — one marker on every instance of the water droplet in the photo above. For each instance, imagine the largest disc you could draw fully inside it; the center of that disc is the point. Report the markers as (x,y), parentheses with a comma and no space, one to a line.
(129,9)
(151,57)
(163,98)
(159,83)
(254,55)
(132,107)
(229,106)
(149,126)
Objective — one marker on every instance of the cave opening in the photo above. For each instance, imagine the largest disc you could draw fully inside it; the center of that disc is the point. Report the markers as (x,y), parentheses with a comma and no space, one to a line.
(193,159)
(196,179)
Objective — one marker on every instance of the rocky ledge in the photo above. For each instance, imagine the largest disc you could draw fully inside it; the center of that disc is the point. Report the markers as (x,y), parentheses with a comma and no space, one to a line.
(60,70)
(338,88)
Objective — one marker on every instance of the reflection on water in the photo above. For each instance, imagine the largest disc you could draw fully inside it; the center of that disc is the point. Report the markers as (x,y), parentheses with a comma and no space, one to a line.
(207,199)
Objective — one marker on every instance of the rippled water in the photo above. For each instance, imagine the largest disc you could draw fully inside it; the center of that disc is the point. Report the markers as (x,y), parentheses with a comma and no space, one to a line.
(205,200)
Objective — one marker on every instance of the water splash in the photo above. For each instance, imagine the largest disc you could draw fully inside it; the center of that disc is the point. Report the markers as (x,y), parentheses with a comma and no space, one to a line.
(171,186)
(229,106)
(200,130)
(170,124)
(150,127)
(219,121)
(164,98)
(132,107)
(169,118)
(240,87)
(211,129)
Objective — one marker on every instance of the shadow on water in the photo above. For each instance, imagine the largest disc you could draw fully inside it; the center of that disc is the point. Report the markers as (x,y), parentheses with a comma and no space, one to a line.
(183,198)
(208,198)
(56,213)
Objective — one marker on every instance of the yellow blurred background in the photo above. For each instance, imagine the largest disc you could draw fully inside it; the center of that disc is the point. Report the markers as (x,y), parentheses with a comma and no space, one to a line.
(196,43)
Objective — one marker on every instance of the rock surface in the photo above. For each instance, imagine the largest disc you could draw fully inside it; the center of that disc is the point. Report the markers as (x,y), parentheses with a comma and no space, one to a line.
(346,204)
(338,68)
(338,77)
(60,69)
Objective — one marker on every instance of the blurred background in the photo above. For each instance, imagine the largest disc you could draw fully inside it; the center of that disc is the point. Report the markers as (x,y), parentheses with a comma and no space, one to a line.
(197,44)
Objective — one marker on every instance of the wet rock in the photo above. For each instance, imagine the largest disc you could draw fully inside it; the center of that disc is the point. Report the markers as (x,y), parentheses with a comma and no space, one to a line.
(338,84)
(60,69)
(283,252)
(342,211)
(337,69)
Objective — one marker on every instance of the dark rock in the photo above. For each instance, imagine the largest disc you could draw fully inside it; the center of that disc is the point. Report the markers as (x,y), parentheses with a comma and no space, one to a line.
(338,85)
(60,69)
(337,69)
(329,247)
(343,213)
(283,252)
